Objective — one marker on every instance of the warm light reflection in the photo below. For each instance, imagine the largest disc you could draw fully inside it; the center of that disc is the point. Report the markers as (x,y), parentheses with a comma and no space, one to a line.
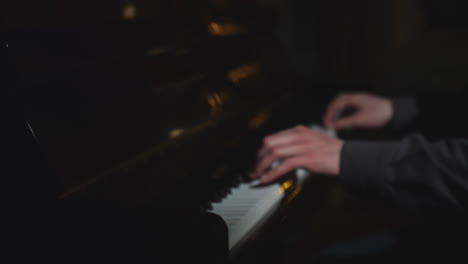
(224,29)
(129,11)
(294,194)
(156,51)
(258,120)
(285,186)
(216,100)
(176,132)
(243,72)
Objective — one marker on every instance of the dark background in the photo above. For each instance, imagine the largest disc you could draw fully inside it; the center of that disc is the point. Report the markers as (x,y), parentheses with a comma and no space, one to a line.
(392,45)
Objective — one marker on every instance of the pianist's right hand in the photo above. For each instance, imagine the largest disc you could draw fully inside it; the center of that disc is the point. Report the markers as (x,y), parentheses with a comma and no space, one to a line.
(298,147)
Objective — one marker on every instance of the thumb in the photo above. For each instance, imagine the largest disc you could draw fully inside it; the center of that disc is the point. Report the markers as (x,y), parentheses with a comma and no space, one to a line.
(346,122)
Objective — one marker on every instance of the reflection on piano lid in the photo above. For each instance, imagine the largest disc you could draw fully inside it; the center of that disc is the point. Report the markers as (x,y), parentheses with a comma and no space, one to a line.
(132,99)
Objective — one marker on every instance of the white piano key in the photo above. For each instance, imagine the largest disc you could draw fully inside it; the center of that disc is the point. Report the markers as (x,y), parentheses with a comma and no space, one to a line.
(247,208)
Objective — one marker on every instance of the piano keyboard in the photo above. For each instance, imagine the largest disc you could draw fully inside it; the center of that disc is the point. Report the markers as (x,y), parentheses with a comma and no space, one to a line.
(248,206)
(246,209)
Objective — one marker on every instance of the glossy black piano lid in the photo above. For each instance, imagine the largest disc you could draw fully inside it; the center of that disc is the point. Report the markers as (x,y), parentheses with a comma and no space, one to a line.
(137,108)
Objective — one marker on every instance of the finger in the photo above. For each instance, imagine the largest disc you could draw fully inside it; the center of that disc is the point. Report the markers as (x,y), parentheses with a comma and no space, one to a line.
(334,106)
(286,166)
(348,122)
(287,137)
(279,153)
(337,105)
(264,164)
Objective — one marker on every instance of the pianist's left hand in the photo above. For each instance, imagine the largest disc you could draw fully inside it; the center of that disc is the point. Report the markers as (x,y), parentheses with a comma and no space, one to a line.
(298,147)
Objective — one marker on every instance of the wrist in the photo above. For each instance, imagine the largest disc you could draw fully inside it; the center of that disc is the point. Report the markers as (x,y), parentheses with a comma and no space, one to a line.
(404,110)
(336,158)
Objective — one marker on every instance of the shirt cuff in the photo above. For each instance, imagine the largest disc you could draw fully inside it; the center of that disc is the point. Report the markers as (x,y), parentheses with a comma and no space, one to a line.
(405,110)
(363,163)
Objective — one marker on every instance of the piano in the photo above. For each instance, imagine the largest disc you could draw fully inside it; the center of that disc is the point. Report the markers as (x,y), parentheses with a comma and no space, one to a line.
(149,122)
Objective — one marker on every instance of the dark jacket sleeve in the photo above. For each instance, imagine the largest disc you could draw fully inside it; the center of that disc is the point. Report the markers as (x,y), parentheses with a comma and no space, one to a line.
(435,115)
(413,173)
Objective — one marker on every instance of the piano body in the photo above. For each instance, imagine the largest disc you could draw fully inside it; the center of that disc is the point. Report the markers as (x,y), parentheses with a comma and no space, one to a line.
(149,122)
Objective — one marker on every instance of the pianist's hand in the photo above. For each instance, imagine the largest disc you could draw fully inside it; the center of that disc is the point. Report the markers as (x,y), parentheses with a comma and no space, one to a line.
(298,147)
(368,111)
